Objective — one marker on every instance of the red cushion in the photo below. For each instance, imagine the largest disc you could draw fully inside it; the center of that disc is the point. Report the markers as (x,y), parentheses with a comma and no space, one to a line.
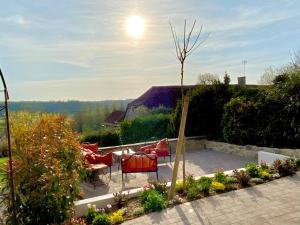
(92,147)
(147,148)
(163,143)
(90,158)
(98,159)
(139,163)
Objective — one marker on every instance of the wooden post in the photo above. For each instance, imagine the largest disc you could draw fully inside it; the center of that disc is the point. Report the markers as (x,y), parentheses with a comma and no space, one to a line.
(179,146)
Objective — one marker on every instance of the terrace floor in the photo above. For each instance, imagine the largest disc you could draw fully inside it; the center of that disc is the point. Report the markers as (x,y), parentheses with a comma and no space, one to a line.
(198,162)
(273,203)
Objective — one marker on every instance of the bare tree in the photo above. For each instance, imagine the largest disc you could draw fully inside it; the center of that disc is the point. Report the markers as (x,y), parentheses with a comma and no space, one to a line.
(295,58)
(185,48)
(207,78)
(268,76)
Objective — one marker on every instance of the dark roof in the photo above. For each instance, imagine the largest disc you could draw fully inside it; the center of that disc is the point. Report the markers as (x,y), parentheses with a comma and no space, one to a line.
(156,96)
(115,117)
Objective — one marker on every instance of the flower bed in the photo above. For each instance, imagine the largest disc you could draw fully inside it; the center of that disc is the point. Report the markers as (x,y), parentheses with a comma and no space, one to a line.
(153,197)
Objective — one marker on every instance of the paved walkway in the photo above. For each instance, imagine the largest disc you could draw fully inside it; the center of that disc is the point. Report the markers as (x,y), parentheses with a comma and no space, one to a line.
(198,162)
(276,202)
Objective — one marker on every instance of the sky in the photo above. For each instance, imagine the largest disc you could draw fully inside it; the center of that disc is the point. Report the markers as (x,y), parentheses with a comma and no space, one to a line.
(81,50)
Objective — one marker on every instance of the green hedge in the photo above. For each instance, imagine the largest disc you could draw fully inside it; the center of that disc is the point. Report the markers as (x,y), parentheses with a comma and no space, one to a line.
(146,128)
(205,110)
(270,119)
(104,138)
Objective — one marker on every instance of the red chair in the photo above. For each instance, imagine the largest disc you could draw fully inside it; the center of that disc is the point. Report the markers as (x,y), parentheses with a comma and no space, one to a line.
(98,163)
(161,149)
(93,147)
(139,163)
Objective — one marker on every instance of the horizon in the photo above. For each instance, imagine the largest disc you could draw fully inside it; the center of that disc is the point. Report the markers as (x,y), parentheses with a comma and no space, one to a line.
(97,51)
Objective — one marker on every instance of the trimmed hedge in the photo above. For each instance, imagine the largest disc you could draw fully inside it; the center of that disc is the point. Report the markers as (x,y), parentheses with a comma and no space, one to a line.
(146,128)
(205,110)
(270,119)
(104,138)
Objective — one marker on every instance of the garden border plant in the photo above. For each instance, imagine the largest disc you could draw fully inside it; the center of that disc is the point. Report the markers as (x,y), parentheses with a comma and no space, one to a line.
(153,197)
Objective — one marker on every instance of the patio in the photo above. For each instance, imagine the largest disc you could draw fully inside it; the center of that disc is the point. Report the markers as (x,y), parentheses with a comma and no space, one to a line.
(198,162)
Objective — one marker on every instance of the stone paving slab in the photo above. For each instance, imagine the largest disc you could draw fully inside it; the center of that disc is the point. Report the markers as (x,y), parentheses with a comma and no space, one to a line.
(273,203)
(198,162)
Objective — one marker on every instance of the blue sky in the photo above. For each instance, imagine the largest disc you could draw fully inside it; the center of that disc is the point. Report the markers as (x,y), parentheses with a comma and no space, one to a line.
(79,49)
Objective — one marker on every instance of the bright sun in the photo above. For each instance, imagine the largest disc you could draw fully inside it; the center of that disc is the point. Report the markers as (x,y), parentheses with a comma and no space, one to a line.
(135,26)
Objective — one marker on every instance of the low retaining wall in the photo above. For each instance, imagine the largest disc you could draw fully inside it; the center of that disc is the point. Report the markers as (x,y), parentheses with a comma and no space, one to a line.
(248,151)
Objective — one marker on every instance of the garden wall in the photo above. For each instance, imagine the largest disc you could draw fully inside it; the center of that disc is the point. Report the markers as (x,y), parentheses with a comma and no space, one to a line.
(193,143)
(248,151)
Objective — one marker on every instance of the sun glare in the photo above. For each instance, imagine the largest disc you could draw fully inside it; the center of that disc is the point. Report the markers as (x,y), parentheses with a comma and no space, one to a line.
(135,26)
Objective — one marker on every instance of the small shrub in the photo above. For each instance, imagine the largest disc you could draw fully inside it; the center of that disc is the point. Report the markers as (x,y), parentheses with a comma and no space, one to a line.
(101,219)
(231,180)
(242,177)
(264,166)
(257,180)
(230,183)
(120,199)
(192,193)
(217,186)
(138,211)
(204,184)
(220,176)
(91,215)
(117,217)
(160,186)
(153,201)
(190,182)
(179,187)
(252,169)
(285,167)
(264,175)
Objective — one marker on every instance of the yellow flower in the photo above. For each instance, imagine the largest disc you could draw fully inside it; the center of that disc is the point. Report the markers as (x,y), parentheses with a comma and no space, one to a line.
(217,186)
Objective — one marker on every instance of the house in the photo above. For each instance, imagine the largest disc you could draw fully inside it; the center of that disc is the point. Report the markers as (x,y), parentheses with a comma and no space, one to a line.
(114,118)
(156,96)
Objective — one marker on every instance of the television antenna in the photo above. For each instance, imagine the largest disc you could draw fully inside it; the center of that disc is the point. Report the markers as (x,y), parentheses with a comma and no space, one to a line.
(244,62)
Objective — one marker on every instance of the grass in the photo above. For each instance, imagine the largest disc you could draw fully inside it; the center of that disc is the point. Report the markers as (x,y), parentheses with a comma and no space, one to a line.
(2,162)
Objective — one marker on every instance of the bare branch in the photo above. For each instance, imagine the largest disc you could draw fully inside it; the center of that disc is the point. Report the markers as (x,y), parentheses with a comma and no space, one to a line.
(197,38)
(195,48)
(174,39)
(190,33)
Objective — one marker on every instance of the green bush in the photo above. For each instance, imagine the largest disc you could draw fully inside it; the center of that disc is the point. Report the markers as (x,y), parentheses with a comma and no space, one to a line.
(145,128)
(230,183)
(252,169)
(153,201)
(220,176)
(206,108)
(159,185)
(104,138)
(101,219)
(203,184)
(138,211)
(271,118)
(192,193)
